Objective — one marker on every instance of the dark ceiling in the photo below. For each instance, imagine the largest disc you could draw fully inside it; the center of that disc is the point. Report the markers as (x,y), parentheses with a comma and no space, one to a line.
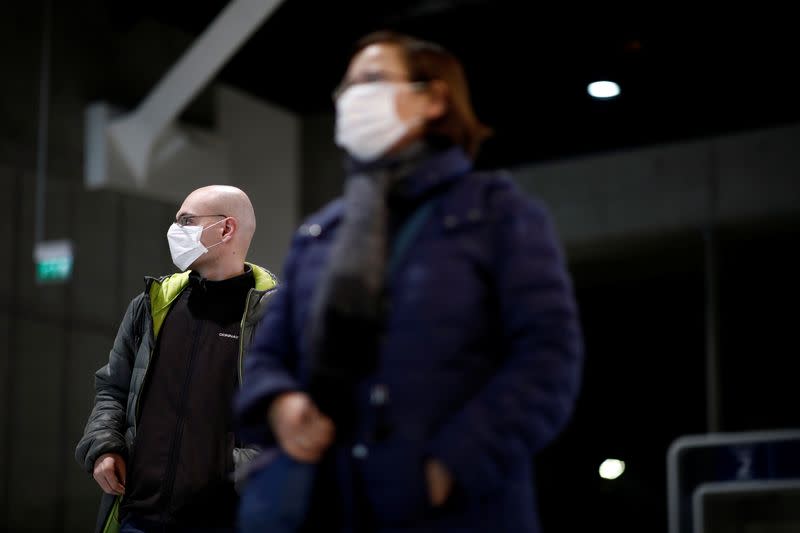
(684,74)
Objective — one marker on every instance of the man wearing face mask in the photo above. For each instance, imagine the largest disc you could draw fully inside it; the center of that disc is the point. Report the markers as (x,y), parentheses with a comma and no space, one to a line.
(160,440)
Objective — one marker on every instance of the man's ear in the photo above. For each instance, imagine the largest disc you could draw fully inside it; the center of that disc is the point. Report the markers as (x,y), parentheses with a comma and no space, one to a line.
(437,99)
(229,228)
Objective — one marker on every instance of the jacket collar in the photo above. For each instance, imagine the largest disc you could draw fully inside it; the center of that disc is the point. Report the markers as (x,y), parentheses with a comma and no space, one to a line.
(440,168)
(435,168)
(422,168)
(164,290)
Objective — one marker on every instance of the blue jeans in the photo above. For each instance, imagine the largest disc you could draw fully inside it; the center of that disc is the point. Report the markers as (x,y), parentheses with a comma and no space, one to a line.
(276,496)
(134,525)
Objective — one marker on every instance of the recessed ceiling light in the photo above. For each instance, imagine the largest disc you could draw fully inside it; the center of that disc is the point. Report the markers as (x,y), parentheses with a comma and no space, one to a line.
(612,468)
(603,89)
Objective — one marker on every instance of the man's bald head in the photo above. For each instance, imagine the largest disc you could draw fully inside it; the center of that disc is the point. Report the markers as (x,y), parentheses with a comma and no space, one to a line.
(225,200)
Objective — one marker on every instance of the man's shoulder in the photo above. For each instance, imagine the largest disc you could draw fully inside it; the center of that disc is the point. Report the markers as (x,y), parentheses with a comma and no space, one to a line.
(264,279)
(149,280)
(137,308)
(164,289)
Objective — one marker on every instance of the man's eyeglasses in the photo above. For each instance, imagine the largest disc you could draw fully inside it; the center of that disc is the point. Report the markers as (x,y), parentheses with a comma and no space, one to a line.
(188,220)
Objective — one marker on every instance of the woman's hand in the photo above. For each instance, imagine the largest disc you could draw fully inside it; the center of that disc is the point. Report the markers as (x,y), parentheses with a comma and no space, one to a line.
(299,427)
(440,482)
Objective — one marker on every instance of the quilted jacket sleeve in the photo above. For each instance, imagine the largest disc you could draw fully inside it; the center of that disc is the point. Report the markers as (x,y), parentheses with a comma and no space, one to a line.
(105,429)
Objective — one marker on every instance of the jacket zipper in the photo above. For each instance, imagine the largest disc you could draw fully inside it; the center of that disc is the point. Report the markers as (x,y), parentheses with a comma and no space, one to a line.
(241,336)
(175,446)
(146,369)
(139,396)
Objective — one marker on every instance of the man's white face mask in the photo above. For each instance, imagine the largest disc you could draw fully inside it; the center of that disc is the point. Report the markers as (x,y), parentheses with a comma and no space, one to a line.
(184,243)
(367,124)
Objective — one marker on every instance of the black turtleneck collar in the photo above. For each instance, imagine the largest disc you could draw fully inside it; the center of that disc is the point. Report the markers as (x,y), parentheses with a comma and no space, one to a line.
(223,300)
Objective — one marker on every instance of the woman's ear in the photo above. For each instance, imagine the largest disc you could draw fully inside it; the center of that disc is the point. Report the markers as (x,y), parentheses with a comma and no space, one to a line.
(437,99)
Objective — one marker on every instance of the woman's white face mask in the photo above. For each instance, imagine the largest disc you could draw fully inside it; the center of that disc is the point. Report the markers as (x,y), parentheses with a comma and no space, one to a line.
(184,244)
(367,123)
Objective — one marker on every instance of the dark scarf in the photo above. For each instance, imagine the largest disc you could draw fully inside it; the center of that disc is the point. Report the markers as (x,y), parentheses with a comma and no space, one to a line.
(348,307)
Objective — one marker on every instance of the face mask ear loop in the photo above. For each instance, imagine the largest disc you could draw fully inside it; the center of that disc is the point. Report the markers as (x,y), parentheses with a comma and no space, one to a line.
(214,224)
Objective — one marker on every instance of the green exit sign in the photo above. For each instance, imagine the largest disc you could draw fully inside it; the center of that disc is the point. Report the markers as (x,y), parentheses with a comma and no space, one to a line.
(53,261)
(54,269)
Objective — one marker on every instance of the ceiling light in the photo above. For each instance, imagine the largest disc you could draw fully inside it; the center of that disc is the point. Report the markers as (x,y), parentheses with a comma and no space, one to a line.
(603,89)
(612,468)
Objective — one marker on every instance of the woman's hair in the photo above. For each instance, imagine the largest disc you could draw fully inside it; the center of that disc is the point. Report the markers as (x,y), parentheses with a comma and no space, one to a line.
(427,61)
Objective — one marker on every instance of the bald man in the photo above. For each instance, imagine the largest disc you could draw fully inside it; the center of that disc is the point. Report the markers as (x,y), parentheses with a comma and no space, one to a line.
(160,440)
